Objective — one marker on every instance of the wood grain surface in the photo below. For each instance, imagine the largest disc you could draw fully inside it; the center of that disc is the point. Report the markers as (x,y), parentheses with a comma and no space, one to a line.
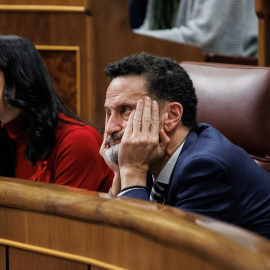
(121,232)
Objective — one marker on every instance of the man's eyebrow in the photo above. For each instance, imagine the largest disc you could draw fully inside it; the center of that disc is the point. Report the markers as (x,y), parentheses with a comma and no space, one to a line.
(121,105)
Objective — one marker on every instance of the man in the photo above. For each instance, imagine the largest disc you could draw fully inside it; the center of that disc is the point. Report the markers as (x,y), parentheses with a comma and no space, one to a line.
(155,147)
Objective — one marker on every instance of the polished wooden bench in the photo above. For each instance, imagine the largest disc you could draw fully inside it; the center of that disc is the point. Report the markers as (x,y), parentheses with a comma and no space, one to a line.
(46,226)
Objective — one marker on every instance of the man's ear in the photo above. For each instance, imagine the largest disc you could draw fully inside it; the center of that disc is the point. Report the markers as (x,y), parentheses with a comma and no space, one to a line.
(173,116)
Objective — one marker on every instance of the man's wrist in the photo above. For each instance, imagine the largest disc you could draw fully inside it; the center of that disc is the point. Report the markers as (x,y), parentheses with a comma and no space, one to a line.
(116,184)
(132,177)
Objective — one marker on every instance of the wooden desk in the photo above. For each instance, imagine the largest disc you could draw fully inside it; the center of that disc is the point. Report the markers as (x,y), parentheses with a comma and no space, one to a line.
(46,226)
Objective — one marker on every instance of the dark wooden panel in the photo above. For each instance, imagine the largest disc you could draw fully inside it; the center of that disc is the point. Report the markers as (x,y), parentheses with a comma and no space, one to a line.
(2,257)
(62,68)
(262,8)
(58,29)
(24,260)
(45,2)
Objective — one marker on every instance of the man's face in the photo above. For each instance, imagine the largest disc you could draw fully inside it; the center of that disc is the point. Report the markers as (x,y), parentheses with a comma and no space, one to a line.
(121,98)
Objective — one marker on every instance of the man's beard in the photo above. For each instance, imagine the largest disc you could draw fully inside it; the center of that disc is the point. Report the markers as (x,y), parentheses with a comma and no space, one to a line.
(112,152)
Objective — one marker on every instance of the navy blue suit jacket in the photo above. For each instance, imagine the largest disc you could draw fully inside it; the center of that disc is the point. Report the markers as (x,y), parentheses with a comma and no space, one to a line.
(216,178)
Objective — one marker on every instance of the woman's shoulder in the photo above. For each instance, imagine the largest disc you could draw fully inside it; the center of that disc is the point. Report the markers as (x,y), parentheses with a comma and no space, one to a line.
(72,129)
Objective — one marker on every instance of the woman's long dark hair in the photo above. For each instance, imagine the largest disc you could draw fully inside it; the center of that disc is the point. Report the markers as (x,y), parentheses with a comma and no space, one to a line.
(28,87)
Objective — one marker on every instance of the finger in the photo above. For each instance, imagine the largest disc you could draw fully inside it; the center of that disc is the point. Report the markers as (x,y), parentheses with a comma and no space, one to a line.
(104,144)
(137,120)
(146,118)
(155,118)
(129,128)
(105,137)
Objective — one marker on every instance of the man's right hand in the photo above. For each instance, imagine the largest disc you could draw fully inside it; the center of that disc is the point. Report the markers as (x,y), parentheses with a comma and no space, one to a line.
(143,143)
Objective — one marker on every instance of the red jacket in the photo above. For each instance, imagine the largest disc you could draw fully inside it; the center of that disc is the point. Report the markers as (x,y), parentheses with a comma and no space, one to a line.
(74,161)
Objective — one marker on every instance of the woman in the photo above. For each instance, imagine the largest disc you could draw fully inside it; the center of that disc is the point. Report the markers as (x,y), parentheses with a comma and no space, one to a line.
(40,139)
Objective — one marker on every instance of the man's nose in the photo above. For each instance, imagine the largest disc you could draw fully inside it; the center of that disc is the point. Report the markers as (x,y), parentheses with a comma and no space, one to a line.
(113,124)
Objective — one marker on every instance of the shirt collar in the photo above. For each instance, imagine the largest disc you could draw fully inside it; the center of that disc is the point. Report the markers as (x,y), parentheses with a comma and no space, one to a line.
(165,174)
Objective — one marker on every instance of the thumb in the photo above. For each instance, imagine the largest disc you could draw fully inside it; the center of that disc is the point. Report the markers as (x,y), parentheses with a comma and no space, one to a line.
(104,145)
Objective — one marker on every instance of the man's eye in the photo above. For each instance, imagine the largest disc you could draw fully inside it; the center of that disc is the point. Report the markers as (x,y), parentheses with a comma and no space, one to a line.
(125,112)
(126,109)
(108,113)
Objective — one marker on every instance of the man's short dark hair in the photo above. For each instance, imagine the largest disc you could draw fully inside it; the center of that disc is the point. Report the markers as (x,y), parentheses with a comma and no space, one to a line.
(166,81)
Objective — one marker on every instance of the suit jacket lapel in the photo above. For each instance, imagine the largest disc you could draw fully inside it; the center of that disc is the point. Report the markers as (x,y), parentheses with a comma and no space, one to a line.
(191,138)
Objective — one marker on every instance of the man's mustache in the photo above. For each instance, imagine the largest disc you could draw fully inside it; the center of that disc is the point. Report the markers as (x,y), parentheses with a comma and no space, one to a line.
(114,137)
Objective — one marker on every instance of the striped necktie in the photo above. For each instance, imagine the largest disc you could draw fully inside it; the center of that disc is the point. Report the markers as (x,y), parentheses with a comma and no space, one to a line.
(158,192)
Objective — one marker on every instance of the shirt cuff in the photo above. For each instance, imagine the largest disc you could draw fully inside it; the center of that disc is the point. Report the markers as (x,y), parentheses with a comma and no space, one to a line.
(129,189)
